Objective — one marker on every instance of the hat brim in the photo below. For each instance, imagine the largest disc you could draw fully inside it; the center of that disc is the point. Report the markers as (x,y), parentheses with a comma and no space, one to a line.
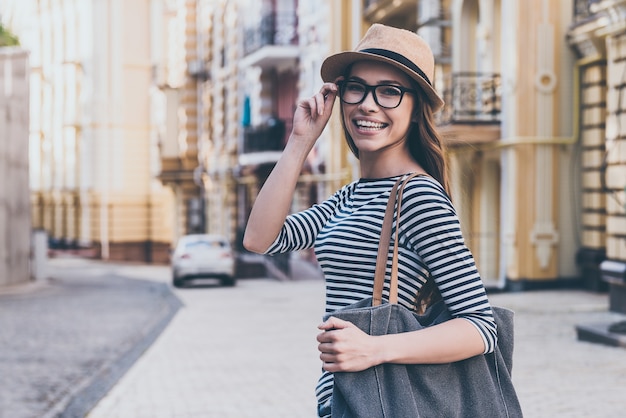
(335,66)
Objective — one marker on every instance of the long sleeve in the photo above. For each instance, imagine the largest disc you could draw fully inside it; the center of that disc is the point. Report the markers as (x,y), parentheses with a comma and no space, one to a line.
(300,229)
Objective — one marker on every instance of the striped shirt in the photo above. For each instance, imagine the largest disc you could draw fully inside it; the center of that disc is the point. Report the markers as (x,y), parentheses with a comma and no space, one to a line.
(345,232)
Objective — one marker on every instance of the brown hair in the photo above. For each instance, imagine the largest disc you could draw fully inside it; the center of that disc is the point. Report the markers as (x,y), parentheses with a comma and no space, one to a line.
(427,149)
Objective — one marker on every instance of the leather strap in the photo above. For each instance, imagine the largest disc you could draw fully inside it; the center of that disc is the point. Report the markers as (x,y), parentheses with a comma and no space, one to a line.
(395,199)
(383,247)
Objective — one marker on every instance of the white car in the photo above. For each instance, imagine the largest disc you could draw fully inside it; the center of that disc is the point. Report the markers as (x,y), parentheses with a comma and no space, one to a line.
(203,256)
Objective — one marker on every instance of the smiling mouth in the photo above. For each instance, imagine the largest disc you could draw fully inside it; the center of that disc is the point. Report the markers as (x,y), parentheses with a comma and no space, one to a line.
(369,126)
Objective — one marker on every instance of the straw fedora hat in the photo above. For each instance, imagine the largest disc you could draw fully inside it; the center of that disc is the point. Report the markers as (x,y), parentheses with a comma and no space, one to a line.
(401,48)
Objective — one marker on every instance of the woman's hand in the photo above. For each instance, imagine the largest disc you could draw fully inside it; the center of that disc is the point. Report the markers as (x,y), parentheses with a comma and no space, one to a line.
(345,348)
(273,203)
(312,114)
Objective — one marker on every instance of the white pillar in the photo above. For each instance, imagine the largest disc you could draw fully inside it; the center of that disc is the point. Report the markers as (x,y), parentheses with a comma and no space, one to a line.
(40,255)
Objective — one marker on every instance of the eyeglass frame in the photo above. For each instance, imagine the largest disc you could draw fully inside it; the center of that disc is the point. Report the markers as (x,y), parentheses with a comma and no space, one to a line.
(372,89)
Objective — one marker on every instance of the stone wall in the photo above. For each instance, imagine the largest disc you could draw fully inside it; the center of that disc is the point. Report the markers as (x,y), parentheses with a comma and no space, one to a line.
(15,224)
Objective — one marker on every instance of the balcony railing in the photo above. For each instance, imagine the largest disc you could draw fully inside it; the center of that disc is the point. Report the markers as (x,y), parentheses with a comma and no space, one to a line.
(266,137)
(274,29)
(472,98)
(368,3)
(583,9)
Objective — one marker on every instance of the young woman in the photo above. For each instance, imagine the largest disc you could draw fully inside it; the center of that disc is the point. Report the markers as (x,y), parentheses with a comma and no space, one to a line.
(387,104)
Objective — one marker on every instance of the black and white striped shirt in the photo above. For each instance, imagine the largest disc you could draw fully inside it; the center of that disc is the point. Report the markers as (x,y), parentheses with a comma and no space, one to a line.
(345,232)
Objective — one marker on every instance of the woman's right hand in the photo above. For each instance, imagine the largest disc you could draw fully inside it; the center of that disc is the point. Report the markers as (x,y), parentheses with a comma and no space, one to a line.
(273,202)
(312,114)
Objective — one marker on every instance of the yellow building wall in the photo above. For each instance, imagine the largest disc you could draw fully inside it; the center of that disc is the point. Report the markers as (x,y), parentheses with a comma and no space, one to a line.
(537,89)
(346,31)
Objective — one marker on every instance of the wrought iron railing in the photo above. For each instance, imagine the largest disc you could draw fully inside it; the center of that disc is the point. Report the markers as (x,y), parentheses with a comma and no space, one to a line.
(266,137)
(274,29)
(583,9)
(370,3)
(472,97)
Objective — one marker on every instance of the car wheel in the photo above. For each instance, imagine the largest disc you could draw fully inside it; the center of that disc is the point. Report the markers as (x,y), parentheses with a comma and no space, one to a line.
(178,282)
(229,281)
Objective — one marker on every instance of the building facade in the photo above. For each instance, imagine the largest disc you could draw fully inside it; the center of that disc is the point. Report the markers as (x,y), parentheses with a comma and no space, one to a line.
(509,124)
(180,32)
(15,225)
(227,83)
(283,46)
(168,123)
(155,119)
(93,156)
(598,38)
(509,128)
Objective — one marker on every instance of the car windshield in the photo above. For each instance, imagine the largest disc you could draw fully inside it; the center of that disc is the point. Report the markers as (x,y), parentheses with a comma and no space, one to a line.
(204,245)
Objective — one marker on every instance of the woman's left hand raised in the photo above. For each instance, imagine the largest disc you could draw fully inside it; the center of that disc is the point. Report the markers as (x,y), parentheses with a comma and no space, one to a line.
(345,348)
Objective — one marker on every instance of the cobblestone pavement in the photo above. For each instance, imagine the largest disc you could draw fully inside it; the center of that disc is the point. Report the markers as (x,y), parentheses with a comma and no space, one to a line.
(66,340)
(250,351)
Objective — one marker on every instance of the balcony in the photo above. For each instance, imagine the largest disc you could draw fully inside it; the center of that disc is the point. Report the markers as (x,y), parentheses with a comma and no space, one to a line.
(584,9)
(434,25)
(593,21)
(472,98)
(273,43)
(472,113)
(264,143)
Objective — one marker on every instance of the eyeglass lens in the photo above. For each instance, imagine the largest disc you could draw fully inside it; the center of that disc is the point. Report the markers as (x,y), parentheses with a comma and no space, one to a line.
(388,96)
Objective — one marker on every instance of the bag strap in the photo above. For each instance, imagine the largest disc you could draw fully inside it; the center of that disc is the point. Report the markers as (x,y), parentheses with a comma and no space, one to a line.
(395,197)
(383,247)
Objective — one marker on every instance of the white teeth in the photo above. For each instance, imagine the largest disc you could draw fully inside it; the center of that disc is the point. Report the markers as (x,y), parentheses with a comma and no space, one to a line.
(368,124)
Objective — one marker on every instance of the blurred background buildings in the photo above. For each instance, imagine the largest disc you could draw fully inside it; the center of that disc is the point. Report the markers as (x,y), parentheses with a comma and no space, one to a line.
(151,119)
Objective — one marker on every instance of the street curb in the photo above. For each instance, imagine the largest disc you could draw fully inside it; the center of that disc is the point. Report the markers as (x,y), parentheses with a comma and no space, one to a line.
(23,287)
(84,396)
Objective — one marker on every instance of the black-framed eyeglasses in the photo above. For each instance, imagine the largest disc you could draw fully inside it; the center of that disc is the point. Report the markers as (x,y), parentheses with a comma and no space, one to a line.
(388,96)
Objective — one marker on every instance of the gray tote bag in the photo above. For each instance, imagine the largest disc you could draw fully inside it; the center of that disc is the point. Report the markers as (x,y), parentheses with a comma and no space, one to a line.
(478,387)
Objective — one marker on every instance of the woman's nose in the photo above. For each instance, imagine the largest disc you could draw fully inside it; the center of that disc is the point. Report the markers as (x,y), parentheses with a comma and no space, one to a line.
(369,103)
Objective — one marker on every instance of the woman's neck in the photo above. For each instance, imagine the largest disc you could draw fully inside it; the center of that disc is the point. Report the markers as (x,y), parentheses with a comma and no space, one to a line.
(383,166)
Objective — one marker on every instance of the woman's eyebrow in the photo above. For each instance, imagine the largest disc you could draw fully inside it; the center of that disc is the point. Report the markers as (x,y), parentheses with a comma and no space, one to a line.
(379,82)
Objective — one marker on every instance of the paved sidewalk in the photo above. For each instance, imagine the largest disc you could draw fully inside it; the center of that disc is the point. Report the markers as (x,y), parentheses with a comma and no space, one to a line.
(256,357)
(555,374)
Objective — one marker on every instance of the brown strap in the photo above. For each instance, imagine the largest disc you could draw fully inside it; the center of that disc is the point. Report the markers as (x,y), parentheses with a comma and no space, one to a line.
(383,245)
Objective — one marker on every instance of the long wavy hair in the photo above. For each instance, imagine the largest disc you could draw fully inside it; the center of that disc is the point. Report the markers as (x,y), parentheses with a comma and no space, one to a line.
(427,149)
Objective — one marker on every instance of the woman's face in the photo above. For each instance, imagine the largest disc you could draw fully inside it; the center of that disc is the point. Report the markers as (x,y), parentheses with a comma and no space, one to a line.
(372,127)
